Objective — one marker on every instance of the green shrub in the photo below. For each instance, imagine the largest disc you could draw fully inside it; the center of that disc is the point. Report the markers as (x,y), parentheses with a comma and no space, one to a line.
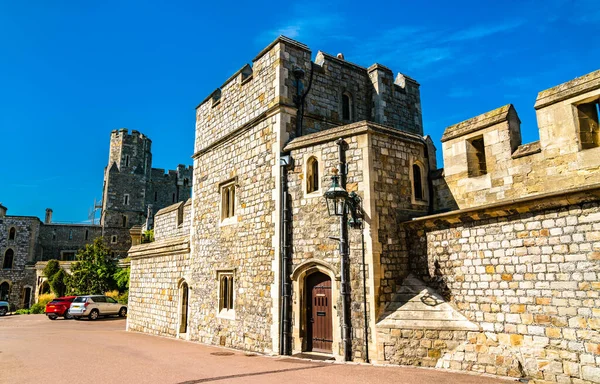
(148,236)
(114,294)
(22,312)
(46,298)
(124,298)
(38,308)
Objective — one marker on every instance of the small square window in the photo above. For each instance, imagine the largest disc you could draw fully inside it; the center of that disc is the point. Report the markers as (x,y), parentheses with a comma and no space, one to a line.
(476,163)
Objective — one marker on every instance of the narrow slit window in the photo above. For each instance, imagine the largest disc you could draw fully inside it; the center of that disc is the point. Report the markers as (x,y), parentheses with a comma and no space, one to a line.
(476,162)
(155,196)
(126,200)
(113,239)
(70,234)
(87,233)
(346,106)
(589,127)
(12,233)
(312,175)
(127,160)
(124,221)
(417,182)
(173,197)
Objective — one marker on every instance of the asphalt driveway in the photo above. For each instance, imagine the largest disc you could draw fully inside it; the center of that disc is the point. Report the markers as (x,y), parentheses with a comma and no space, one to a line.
(34,349)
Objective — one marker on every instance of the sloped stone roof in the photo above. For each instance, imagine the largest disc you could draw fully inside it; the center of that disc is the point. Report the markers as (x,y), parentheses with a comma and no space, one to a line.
(484,120)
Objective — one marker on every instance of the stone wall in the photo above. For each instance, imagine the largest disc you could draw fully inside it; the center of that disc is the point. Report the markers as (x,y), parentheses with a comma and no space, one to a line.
(56,239)
(21,275)
(528,280)
(173,221)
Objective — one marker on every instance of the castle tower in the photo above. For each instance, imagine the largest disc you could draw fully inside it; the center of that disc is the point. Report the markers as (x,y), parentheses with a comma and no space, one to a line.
(125,179)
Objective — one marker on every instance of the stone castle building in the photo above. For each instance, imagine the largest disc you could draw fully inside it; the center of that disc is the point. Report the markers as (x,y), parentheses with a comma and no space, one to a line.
(490,264)
(133,191)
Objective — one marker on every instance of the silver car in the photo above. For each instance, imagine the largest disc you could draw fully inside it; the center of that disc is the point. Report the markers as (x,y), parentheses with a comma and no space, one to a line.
(94,306)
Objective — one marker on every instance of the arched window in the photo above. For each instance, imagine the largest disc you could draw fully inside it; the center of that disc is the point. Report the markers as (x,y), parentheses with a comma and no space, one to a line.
(8,259)
(4,291)
(225,291)
(312,175)
(12,233)
(346,106)
(184,307)
(417,182)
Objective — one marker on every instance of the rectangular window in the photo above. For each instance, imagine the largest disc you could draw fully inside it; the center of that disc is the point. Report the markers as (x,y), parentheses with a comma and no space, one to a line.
(226,292)
(476,157)
(227,200)
(589,131)
(155,196)
(87,233)
(124,221)
(70,234)
(126,200)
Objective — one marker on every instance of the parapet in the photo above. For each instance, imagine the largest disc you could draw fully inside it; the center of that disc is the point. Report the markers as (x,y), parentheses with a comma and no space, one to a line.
(477,123)
(173,220)
(124,134)
(567,90)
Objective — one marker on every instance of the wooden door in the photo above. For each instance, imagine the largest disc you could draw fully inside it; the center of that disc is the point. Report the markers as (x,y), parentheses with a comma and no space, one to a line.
(319,314)
(27,298)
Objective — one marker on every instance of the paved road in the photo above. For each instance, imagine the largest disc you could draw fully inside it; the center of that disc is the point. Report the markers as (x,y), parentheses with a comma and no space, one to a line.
(34,349)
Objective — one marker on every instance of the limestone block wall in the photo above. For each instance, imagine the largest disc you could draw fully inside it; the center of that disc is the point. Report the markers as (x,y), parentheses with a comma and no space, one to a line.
(556,162)
(529,280)
(157,270)
(173,221)
(242,244)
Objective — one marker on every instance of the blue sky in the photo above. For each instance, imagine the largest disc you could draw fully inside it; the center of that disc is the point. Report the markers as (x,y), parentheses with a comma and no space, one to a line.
(70,72)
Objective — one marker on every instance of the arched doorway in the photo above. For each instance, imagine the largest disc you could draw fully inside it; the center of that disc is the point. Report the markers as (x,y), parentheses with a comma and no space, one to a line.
(45,287)
(319,313)
(4,291)
(26,297)
(183,307)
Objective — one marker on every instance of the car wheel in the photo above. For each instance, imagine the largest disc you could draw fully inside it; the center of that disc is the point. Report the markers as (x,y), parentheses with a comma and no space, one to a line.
(52,317)
(94,314)
(68,315)
(123,312)
(3,311)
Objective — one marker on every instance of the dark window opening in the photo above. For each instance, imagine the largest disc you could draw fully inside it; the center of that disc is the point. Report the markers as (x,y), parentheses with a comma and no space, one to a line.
(113,239)
(70,234)
(476,163)
(8,259)
(87,233)
(186,182)
(173,197)
(12,233)
(4,291)
(346,107)
(589,131)
(127,161)
(124,221)
(417,182)
(53,235)
(155,196)
(312,175)
(126,199)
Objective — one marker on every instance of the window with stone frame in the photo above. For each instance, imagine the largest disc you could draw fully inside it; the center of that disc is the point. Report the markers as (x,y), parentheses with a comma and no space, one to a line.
(126,199)
(346,106)
(9,256)
(226,292)
(228,200)
(113,239)
(589,125)
(12,233)
(312,175)
(476,162)
(417,182)
(124,221)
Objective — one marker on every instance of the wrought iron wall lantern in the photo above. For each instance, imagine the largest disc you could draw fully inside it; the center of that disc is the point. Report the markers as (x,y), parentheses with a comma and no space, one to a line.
(339,201)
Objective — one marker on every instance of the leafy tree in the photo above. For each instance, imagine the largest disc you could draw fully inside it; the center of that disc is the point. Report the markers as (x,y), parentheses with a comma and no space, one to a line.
(93,272)
(122,279)
(51,268)
(58,282)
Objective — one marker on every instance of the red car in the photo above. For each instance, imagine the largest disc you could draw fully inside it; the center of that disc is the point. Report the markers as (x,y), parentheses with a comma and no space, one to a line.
(59,307)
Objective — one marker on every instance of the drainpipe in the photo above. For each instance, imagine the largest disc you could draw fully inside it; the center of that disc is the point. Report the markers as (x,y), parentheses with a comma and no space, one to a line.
(284,257)
(345,262)
(362,237)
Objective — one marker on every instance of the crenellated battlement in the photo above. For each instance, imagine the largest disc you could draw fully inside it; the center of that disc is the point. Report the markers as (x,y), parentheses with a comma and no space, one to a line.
(485,161)
(123,134)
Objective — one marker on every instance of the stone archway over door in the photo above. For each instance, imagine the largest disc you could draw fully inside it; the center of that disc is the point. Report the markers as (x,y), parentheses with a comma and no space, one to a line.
(183,310)
(4,291)
(319,313)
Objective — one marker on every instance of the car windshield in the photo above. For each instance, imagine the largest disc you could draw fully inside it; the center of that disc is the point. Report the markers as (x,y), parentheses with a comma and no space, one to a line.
(80,300)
